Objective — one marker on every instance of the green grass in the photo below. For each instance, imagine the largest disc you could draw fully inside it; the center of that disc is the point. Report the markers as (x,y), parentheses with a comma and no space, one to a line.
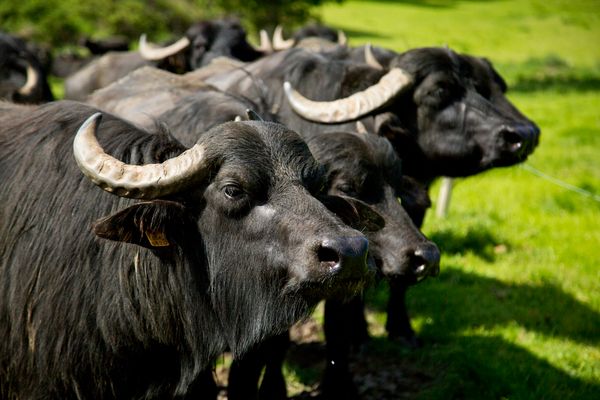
(515,313)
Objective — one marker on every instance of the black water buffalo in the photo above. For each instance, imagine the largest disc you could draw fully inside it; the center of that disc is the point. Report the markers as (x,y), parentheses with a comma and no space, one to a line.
(457,123)
(105,297)
(188,105)
(446,114)
(314,37)
(201,43)
(363,167)
(22,78)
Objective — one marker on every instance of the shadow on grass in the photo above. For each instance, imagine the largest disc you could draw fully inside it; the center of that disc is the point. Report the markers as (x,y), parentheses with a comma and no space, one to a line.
(458,300)
(364,32)
(551,72)
(489,367)
(478,240)
(430,3)
(467,367)
(458,361)
(557,83)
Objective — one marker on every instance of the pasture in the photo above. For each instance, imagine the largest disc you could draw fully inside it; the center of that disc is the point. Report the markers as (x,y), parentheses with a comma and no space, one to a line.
(515,312)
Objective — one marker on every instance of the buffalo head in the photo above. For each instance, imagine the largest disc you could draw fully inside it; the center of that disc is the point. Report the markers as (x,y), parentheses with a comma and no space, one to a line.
(445,113)
(22,78)
(204,41)
(366,167)
(243,194)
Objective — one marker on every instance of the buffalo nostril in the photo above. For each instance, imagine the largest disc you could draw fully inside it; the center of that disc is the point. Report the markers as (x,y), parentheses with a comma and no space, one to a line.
(345,253)
(520,139)
(328,256)
(426,261)
(513,139)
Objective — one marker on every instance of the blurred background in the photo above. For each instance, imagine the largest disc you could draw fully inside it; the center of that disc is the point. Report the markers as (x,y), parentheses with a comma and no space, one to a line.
(515,312)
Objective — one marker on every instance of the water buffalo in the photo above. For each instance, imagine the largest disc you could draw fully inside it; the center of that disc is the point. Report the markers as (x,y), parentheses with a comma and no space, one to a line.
(22,78)
(313,37)
(446,114)
(202,42)
(361,166)
(188,105)
(364,167)
(106,297)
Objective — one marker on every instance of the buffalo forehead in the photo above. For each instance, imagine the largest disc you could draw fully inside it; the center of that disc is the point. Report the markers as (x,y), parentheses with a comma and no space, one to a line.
(260,153)
(289,152)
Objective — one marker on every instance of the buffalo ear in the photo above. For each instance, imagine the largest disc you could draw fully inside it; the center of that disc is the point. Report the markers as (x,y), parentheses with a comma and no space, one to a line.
(253,115)
(154,224)
(354,213)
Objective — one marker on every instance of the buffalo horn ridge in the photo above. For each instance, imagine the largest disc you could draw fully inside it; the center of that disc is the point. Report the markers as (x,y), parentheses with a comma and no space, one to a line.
(353,106)
(370,57)
(159,53)
(279,43)
(148,181)
(31,81)
(265,43)
(342,39)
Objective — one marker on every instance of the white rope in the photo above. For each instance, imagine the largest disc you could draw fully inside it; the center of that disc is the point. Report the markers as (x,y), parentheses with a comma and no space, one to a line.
(560,183)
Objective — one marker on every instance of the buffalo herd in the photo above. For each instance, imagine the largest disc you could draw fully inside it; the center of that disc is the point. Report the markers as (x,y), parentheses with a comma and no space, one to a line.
(204,195)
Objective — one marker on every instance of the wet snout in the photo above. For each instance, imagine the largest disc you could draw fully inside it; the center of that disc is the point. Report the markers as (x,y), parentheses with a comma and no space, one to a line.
(346,257)
(425,261)
(519,139)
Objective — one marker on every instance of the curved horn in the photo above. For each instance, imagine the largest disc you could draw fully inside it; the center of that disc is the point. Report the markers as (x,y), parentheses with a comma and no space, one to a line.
(342,39)
(353,106)
(158,53)
(265,42)
(370,57)
(135,181)
(278,42)
(33,77)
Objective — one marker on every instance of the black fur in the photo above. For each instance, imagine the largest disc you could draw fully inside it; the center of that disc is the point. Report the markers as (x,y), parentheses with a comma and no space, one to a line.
(86,317)
(316,30)
(14,56)
(208,40)
(364,167)
(218,38)
(450,122)
(454,120)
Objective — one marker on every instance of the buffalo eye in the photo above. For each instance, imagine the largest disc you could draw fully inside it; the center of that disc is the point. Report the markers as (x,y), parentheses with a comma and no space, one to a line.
(232,191)
(440,94)
(345,188)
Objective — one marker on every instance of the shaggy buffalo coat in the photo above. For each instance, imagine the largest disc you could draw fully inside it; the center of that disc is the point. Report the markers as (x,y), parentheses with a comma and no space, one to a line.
(15,60)
(106,297)
(452,119)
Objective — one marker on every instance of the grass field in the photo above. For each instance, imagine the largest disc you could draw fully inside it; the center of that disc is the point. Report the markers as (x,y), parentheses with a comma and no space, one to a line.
(515,313)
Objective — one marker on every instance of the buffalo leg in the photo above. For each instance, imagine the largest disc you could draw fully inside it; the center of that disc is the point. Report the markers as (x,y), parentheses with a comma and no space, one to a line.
(398,322)
(337,381)
(359,334)
(273,385)
(244,373)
